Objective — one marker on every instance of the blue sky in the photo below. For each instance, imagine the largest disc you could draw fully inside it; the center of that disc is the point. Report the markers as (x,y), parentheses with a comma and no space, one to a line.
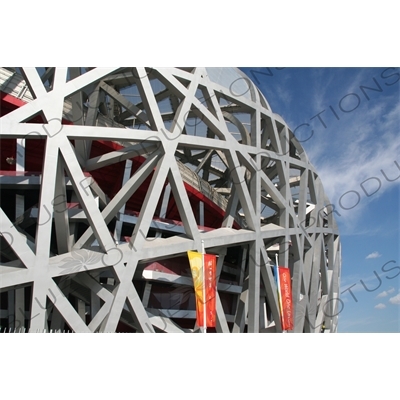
(351,134)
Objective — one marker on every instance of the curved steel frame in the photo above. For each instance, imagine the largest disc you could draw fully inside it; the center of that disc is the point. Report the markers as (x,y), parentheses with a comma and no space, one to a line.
(191,130)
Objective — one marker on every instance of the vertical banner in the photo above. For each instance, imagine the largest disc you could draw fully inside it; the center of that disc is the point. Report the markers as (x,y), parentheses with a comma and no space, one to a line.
(282,277)
(276,275)
(210,262)
(209,280)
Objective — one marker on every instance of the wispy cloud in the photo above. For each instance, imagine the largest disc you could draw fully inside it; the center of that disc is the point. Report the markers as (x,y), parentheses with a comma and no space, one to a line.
(284,95)
(345,323)
(374,254)
(364,232)
(361,148)
(395,299)
(380,306)
(382,294)
(358,283)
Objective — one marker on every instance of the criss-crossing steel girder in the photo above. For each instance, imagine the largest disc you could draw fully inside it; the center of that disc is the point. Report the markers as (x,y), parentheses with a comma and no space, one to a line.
(119,171)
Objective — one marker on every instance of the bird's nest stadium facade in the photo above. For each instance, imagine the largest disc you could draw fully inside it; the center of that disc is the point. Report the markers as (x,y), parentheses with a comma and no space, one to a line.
(110,175)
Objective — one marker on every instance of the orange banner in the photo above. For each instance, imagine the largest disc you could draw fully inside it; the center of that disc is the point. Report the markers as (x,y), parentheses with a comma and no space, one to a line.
(286,298)
(196,266)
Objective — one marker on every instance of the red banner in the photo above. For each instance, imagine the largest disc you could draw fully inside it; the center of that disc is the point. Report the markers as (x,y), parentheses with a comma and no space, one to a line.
(209,280)
(286,298)
(211,289)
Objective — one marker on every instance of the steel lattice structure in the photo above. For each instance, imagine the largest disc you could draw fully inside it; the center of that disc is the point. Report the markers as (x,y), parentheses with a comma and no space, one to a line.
(110,175)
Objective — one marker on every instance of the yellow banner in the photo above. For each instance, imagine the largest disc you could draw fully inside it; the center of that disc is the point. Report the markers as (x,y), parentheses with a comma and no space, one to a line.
(204,286)
(196,266)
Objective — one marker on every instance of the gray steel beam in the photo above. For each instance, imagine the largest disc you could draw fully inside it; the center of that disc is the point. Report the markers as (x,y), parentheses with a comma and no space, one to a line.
(254,169)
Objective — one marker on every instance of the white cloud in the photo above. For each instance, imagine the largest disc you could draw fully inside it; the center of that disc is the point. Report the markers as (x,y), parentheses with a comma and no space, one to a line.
(380,306)
(352,283)
(345,324)
(283,94)
(361,146)
(375,254)
(382,294)
(385,293)
(395,299)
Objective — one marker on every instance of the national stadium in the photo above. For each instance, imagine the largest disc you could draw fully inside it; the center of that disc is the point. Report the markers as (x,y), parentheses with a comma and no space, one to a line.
(110,176)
